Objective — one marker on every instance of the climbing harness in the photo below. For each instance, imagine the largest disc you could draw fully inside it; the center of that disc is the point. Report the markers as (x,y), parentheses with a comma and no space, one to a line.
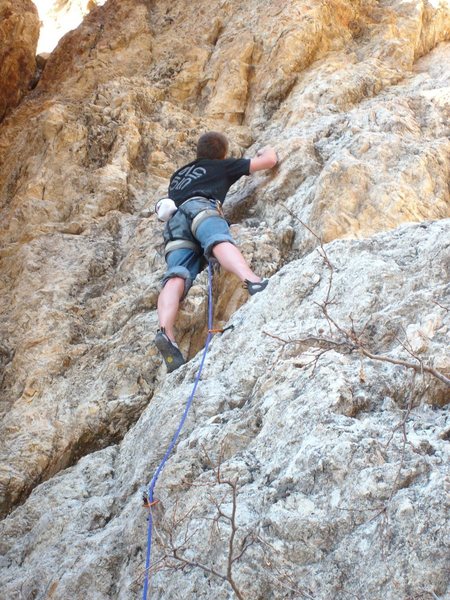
(181,228)
(148,499)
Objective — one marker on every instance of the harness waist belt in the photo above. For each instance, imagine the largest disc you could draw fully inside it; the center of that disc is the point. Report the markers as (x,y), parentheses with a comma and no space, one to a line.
(193,198)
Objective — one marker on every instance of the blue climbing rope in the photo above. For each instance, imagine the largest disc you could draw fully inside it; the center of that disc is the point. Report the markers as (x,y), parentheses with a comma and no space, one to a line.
(175,438)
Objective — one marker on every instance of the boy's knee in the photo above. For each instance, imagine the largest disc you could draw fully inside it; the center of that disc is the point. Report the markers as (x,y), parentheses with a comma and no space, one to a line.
(180,272)
(213,231)
(216,240)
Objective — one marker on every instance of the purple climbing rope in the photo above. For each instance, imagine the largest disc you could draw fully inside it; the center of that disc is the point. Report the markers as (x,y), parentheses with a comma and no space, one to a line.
(175,438)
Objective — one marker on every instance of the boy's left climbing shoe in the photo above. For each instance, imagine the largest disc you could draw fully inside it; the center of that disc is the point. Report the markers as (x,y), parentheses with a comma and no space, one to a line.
(169,351)
(255,287)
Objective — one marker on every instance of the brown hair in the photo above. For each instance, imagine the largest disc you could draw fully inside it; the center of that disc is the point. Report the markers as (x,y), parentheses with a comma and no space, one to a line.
(212,145)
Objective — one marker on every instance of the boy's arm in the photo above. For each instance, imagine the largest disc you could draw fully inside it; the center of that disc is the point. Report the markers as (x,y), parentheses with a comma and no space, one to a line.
(266,158)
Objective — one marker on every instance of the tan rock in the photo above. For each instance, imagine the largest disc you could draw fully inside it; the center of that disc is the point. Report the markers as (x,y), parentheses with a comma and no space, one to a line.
(228,76)
(19,32)
(84,57)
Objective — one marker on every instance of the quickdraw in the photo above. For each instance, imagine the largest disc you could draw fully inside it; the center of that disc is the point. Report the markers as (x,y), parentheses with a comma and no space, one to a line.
(221,330)
(146,502)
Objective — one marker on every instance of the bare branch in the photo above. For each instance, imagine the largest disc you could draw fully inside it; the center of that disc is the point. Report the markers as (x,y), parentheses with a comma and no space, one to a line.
(351,344)
(174,550)
(322,253)
(351,337)
(197,565)
(409,365)
(284,578)
(441,305)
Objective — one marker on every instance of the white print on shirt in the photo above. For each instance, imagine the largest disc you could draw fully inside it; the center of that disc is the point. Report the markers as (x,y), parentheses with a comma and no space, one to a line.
(186,176)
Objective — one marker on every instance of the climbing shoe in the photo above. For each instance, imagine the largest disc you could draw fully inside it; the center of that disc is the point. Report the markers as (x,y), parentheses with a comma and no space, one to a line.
(169,351)
(255,287)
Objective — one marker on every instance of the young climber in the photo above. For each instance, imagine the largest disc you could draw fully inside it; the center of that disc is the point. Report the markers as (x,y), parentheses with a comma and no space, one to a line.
(199,231)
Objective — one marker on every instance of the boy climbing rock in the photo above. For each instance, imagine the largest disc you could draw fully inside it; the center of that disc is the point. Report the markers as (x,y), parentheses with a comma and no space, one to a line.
(198,230)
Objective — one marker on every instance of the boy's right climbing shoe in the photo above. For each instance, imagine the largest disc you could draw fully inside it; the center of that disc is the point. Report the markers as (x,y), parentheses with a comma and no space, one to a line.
(255,287)
(169,351)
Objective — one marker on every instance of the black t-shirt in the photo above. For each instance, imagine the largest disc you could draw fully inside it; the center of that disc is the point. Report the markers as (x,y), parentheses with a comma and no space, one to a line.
(207,177)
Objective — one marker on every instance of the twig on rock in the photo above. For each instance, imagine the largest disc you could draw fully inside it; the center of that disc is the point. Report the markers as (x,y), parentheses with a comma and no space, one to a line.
(174,549)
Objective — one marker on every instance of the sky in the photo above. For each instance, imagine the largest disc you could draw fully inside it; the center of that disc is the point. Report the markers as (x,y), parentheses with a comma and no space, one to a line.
(55,22)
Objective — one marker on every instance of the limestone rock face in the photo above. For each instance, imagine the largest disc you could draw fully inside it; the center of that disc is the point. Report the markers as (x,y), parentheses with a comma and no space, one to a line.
(338,455)
(338,460)
(19,32)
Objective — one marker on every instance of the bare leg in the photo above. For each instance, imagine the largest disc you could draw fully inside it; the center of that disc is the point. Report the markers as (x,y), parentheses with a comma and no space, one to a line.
(231,259)
(168,304)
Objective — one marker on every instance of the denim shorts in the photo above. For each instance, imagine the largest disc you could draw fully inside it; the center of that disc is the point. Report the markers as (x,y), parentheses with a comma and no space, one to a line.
(187,263)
